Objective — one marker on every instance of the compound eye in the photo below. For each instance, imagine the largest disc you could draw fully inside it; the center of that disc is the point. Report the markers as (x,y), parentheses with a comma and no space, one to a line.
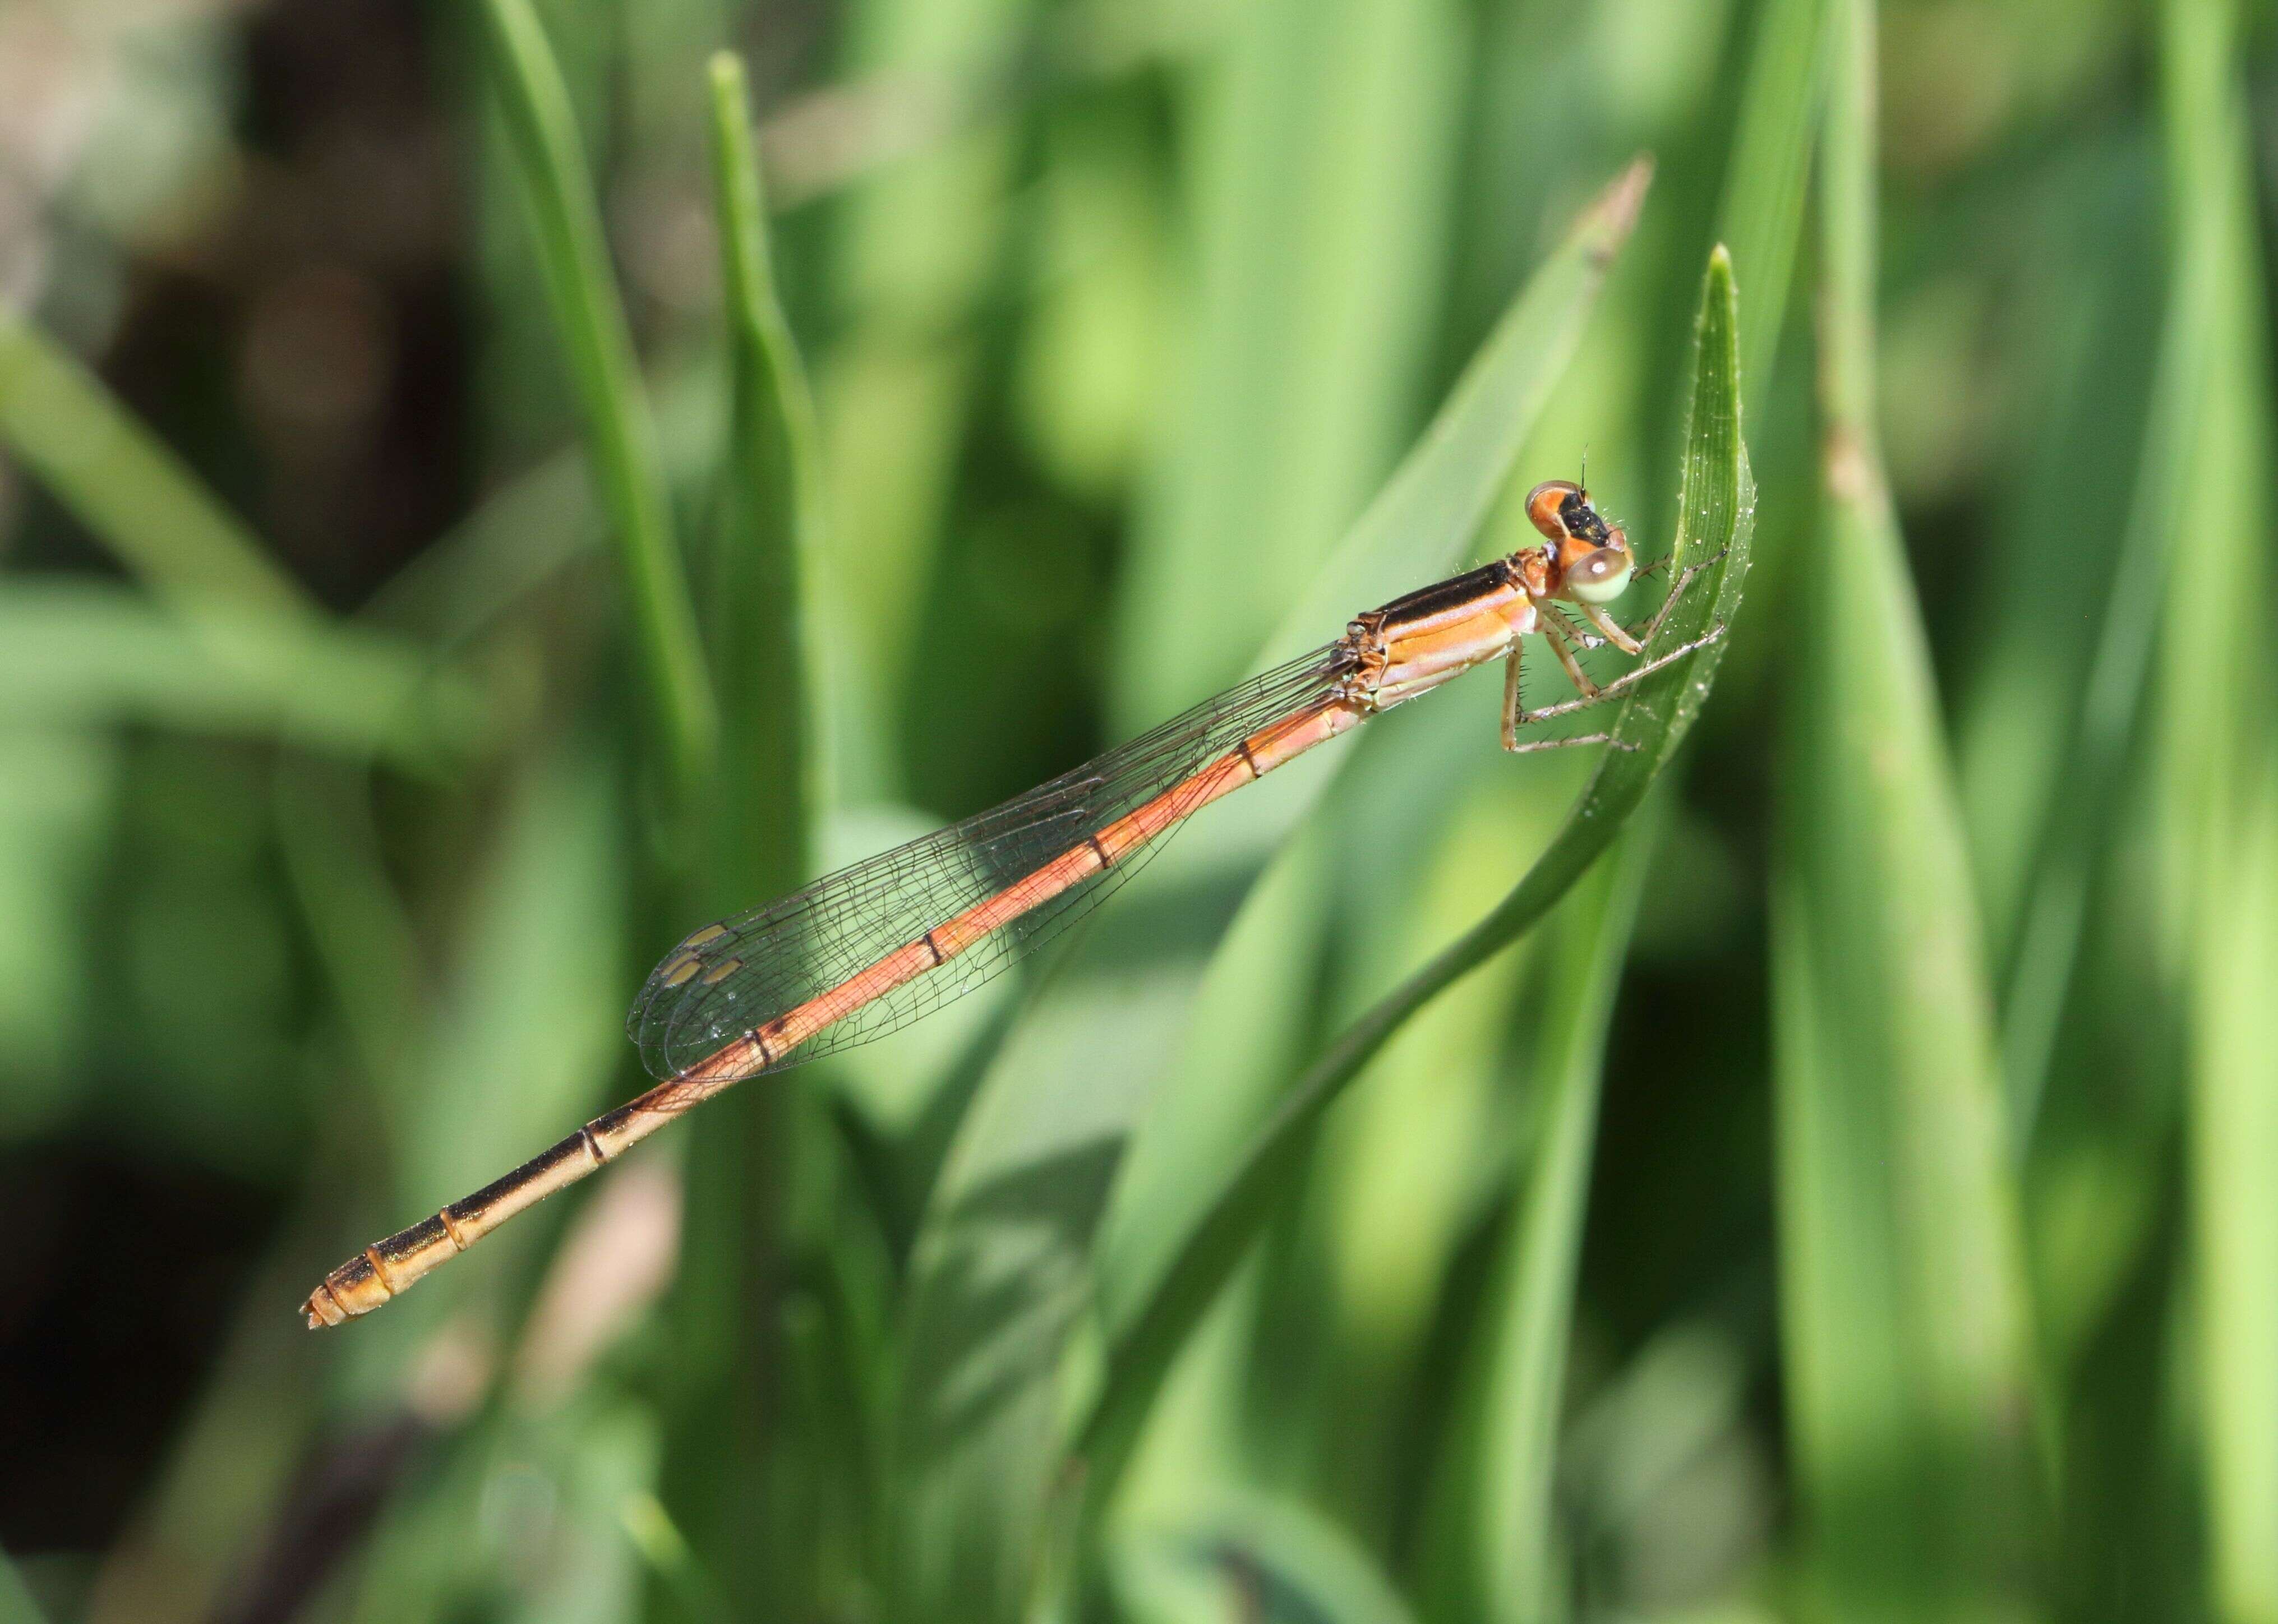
(1601,575)
(1543,504)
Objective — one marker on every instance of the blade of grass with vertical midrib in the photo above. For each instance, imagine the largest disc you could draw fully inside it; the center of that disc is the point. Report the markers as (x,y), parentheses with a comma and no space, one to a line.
(730,1411)
(2215,766)
(1716,513)
(1904,1313)
(596,343)
(769,531)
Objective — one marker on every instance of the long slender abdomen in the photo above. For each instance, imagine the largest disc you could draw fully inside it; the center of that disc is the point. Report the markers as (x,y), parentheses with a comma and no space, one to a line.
(388,1267)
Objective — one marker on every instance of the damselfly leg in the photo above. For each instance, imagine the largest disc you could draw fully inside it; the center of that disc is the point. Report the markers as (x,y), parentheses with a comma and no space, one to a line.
(1566,640)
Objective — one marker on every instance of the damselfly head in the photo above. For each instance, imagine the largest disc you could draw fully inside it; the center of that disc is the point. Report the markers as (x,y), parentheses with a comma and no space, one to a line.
(1591,557)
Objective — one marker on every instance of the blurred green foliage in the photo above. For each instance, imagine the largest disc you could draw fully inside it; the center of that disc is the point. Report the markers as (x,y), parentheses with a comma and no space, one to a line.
(484,487)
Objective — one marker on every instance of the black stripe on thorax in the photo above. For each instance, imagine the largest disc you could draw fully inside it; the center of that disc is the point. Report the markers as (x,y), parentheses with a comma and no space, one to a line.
(1441,596)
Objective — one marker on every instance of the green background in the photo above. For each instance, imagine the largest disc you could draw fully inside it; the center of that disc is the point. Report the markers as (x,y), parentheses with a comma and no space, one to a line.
(487,485)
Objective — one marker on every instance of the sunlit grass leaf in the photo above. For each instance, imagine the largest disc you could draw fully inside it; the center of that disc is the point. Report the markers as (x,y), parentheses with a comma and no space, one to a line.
(1716,510)
(999,1271)
(2234,1129)
(1895,1203)
(589,315)
(2218,790)
(1759,217)
(1905,1318)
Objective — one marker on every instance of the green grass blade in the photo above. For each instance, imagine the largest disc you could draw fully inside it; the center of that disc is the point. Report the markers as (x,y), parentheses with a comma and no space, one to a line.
(124,486)
(2234,1129)
(1499,1556)
(769,531)
(1117,1014)
(1760,215)
(246,648)
(2087,378)
(1905,1316)
(2084,806)
(1716,511)
(728,1400)
(87,653)
(2214,764)
(129,489)
(588,314)
(57,795)
(917,257)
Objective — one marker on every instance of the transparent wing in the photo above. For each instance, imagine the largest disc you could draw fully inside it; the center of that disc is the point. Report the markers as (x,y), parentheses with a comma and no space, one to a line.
(737,974)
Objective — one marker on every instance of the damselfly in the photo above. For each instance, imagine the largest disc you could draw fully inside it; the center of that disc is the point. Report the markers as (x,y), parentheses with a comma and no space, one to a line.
(871,948)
